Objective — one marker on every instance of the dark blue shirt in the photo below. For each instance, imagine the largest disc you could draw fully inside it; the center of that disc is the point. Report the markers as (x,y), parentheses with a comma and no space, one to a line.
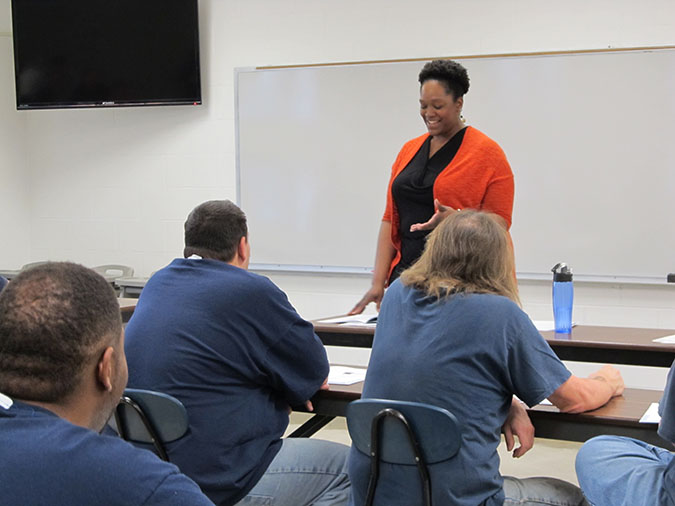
(667,429)
(3,282)
(466,353)
(230,346)
(45,460)
(667,408)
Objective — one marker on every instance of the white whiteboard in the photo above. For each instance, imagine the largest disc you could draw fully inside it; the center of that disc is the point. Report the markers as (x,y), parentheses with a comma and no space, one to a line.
(589,137)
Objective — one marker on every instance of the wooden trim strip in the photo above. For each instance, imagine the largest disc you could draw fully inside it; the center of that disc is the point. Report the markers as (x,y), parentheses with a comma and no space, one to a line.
(472,57)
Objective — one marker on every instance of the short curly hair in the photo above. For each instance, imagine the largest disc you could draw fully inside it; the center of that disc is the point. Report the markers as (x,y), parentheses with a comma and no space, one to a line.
(54,319)
(452,75)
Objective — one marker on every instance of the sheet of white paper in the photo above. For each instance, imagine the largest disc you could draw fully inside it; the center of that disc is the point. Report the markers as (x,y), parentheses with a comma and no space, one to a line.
(652,414)
(353,319)
(545,402)
(5,402)
(546,325)
(341,375)
(665,339)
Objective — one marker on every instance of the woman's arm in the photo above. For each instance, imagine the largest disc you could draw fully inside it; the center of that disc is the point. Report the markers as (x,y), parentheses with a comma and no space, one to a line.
(383,257)
(498,198)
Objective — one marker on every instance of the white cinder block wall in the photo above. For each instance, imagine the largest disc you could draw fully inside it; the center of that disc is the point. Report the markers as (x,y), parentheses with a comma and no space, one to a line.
(114,186)
(15,212)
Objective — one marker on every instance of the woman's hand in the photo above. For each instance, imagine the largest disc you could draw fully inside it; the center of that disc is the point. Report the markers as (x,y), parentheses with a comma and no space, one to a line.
(440,213)
(375,295)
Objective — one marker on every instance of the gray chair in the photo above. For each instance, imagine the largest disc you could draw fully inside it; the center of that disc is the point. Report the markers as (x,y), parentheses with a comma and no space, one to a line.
(131,287)
(150,418)
(33,264)
(112,271)
(8,274)
(405,434)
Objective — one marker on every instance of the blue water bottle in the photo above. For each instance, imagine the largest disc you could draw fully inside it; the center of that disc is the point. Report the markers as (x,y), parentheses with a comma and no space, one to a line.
(563,296)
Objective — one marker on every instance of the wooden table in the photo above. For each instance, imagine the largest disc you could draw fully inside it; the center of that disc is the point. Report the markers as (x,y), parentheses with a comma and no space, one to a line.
(130,285)
(586,343)
(598,344)
(620,416)
(127,307)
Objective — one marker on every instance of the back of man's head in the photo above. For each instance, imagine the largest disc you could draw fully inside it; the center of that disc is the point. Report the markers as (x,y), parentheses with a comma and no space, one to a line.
(213,230)
(54,320)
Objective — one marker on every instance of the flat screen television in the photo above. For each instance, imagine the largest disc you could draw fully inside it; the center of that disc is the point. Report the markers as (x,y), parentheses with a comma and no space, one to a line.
(105,53)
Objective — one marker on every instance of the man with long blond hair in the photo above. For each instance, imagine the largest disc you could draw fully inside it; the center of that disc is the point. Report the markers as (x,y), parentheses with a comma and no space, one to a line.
(451,333)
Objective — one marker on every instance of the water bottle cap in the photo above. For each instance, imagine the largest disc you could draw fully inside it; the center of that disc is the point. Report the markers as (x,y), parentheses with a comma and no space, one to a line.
(561,272)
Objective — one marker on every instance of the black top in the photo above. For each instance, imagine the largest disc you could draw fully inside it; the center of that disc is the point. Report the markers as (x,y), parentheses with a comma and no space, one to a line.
(413,194)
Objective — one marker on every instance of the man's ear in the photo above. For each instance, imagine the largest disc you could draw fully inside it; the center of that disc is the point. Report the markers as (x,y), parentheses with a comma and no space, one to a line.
(243,250)
(104,369)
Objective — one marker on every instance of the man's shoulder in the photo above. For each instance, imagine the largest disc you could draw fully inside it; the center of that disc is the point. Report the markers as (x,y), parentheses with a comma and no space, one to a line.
(250,284)
(490,301)
(96,464)
(212,274)
(84,448)
(496,309)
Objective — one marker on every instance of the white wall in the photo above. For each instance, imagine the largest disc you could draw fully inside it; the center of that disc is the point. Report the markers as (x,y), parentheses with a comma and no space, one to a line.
(115,185)
(15,209)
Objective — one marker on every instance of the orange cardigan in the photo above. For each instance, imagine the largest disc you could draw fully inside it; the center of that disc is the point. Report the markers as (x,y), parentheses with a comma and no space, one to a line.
(478,177)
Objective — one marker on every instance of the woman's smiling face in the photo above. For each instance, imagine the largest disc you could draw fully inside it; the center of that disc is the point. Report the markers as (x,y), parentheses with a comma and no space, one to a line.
(439,109)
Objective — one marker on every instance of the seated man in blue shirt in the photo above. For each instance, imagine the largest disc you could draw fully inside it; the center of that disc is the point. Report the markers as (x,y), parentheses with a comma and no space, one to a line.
(230,346)
(62,371)
(3,282)
(621,471)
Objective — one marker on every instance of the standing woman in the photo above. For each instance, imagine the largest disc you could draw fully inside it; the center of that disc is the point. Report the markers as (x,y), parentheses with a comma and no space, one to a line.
(451,167)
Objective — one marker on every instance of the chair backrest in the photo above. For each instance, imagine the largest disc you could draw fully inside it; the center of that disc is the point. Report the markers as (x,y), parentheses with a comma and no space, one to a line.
(437,431)
(144,416)
(402,433)
(33,264)
(112,271)
(130,286)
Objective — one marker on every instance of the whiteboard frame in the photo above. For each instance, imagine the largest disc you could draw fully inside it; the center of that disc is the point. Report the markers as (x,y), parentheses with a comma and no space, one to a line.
(367,271)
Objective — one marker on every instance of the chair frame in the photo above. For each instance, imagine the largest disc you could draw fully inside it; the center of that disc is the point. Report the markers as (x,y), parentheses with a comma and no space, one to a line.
(152,418)
(375,445)
(157,443)
(402,433)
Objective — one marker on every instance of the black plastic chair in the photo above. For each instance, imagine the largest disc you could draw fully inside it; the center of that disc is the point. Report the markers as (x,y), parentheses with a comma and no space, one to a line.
(147,417)
(402,433)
